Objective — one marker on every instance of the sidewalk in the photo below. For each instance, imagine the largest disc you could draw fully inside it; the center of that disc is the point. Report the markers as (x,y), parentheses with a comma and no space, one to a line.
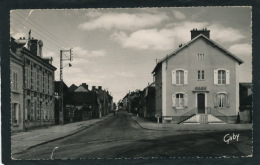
(150,125)
(26,140)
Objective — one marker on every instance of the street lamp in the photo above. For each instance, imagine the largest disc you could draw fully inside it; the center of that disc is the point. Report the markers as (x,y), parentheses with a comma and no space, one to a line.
(61,110)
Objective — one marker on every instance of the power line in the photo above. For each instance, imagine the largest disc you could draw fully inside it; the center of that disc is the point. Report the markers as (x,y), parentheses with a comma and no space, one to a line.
(57,45)
(41,28)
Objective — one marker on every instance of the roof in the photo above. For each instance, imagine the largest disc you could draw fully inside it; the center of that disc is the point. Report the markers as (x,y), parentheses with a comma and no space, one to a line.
(72,88)
(240,61)
(57,86)
(248,85)
(84,98)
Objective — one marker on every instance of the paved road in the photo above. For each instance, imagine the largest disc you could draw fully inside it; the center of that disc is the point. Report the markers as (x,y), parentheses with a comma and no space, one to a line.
(121,137)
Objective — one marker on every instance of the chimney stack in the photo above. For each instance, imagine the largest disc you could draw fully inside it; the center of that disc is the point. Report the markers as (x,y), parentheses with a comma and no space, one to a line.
(100,87)
(93,88)
(195,32)
(35,47)
(85,85)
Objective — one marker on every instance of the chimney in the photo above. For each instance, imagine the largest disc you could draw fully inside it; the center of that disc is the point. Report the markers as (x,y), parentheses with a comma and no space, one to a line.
(100,87)
(195,33)
(85,85)
(93,88)
(40,45)
(35,47)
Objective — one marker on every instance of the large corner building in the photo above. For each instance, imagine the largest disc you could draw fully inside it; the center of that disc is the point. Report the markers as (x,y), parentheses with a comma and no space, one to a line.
(32,85)
(198,82)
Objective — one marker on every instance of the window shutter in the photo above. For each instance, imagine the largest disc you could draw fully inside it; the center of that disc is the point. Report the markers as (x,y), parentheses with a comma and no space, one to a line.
(19,115)
(185,77)
(215,100)
(227,77)
(215,77)
(16,81)
(185,100)
(173,77)
(173,100)
(227,101)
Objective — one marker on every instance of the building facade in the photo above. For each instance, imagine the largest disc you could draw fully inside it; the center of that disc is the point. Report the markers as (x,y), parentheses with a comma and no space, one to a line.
(37,85)
(198,82)
(16,71)
(147,102)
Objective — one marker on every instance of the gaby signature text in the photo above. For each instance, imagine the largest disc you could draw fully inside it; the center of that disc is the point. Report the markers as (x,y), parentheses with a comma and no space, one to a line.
(230,137)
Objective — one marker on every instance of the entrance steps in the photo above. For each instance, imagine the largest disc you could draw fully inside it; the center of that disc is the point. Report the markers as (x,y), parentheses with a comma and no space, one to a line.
(203,119)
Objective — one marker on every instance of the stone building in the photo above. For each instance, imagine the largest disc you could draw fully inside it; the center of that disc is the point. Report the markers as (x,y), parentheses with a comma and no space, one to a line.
(16,71)
(198,82)
(38,83)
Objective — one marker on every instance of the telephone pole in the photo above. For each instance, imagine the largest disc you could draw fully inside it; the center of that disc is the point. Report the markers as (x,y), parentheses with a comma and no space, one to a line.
(62,58)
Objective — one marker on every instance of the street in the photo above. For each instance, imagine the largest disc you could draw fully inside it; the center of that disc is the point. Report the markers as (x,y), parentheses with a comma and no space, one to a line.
(121,137)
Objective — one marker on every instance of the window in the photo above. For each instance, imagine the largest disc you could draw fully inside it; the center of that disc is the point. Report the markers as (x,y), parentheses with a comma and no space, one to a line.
(221,77)
(200,57)
(16,113)
(200,74)
(179,100)
(14,80)
(180,77)
(221,100)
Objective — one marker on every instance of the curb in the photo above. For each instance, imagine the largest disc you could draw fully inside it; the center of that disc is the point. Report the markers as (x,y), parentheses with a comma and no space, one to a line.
(146,128)
(187,130)
(78,130)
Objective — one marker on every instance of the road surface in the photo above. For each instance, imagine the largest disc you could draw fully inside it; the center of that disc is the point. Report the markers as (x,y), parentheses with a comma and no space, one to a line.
(121,137)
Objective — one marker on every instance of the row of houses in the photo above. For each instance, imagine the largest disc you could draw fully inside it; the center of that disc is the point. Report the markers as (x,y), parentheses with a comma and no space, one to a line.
(81,103)
(141,102)
(35,94)
(198,83)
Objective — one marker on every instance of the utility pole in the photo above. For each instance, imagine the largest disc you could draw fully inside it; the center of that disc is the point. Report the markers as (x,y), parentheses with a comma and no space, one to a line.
(70,58)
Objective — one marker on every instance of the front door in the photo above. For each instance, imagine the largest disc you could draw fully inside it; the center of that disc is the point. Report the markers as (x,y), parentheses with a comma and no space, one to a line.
(201,103)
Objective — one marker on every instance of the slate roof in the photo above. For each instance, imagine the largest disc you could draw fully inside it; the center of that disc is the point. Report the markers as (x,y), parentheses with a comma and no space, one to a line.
(57,86)
(84,98)
(240,61)
(72,88)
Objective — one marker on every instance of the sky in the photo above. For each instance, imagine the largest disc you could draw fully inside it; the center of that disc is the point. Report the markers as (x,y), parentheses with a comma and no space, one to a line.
(117,48)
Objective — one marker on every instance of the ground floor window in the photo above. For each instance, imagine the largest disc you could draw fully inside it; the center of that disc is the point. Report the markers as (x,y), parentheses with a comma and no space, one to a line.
(179,100)
(16,113)
(221,100)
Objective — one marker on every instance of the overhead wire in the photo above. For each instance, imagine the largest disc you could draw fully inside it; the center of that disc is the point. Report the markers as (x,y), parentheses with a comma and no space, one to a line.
(41,28)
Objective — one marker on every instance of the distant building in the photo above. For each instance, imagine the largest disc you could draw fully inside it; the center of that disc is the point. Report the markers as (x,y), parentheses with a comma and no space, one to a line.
(245,108)
(147,102)
(38,82)
(198,82)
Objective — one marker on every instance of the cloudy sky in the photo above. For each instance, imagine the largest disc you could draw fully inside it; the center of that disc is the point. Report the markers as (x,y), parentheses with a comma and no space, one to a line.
(117,48)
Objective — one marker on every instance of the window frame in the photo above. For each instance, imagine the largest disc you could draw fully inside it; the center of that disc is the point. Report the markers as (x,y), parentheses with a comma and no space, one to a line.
(220,102)
(221,76)
(184,100)
(179,77)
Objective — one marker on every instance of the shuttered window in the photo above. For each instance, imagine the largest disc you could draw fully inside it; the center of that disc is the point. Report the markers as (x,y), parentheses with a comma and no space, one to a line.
(221,100)
(221,77)
(180,77)
(179,100)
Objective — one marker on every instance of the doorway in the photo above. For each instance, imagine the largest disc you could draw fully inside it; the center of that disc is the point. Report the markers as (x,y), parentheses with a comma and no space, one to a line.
(201,103)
